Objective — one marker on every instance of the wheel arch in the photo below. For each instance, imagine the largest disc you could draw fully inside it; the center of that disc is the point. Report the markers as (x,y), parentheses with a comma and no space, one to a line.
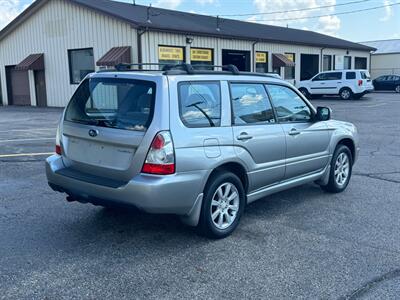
(346,87)
(234,167)
(349,143)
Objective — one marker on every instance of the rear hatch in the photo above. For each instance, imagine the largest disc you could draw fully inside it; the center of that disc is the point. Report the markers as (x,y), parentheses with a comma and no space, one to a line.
(104,128)
(366,79)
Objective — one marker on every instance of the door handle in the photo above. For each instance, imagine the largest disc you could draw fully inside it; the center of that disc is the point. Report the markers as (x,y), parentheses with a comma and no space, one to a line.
(244,137)
(294,131)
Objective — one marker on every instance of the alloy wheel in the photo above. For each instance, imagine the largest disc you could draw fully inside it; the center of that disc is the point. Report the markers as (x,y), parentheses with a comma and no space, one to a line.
(224,205)
(342,169)
(345,94)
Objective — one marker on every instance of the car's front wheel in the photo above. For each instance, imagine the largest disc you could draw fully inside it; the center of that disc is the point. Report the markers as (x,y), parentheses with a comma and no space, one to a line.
(340,170)
(397,89)
(223,205)
(345,94)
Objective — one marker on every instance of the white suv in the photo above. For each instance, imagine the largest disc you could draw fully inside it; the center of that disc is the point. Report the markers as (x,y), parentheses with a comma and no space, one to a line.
(348,84)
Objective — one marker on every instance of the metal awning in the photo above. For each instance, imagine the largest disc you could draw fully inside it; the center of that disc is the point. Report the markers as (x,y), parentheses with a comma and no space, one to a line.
(115,56)
(32,62)
(280,60)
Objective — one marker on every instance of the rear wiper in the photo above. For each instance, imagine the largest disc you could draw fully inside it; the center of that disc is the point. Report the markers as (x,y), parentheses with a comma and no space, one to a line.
(87,122)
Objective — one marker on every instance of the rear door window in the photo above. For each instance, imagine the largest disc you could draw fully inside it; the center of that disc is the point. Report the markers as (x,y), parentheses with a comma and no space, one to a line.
(113,102)
(351,75)
(200,103)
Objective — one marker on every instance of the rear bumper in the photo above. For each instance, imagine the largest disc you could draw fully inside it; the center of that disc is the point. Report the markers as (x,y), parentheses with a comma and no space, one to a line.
(364,90)
(172,194)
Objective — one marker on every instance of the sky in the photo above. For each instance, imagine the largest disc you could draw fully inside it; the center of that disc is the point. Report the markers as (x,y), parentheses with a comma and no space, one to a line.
(378,24)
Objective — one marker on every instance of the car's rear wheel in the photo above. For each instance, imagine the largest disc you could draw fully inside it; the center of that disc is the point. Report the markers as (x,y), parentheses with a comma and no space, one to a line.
(340,171)
(223,205)
(345,94)
(305,92)
(397,89)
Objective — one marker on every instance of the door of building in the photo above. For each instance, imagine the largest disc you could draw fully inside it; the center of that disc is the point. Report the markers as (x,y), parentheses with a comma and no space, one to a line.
(40,88)
(309,66)
(17,86)
(241,59)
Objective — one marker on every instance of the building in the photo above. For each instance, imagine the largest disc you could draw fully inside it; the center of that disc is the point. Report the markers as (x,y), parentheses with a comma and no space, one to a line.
(53,44)
(386,59)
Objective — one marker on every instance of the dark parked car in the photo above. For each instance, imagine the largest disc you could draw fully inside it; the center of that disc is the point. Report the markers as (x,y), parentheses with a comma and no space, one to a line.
(387,83)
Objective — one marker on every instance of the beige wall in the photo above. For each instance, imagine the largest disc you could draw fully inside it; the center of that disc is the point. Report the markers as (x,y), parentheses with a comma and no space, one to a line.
(54,29)
(151,41)
(385,64)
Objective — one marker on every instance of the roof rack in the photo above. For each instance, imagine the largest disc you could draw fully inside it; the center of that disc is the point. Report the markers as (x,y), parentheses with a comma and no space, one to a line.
(187,69)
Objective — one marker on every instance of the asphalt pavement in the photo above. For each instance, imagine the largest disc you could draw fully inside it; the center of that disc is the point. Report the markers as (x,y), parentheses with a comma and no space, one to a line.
(301,243)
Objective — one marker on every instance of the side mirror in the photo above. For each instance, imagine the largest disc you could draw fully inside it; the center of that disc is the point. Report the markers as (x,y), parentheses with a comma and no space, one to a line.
(323,113)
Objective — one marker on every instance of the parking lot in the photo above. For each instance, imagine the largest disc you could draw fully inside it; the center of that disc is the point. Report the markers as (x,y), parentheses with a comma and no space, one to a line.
(301,243)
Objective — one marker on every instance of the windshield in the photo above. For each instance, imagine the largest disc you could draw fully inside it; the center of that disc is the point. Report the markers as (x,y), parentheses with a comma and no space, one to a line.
(113,102)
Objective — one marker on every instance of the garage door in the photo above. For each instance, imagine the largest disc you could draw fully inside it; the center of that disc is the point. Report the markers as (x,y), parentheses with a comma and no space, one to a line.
(18,87)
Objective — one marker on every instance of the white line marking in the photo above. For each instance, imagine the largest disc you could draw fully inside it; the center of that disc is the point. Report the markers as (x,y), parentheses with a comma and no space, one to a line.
(27,130)
(376,105)
(25,154)
(26,140)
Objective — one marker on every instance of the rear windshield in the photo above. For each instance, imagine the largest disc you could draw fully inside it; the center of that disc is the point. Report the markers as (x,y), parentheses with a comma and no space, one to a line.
(113,102)
(365,75)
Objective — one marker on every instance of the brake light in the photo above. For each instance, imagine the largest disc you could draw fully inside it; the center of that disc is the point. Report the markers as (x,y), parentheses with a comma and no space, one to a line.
(58,142)
(360,82)
(160,159)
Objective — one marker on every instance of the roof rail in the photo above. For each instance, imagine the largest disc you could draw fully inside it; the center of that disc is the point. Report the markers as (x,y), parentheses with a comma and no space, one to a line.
(189,69)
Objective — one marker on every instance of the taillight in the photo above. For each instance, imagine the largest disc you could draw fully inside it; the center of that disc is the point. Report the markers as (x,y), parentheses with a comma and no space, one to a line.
(58,149)
(160,159)
(58,141)
(360,82)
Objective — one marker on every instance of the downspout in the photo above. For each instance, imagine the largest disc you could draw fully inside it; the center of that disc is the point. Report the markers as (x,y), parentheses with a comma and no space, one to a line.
(321,63)
(253,49)
(140,32)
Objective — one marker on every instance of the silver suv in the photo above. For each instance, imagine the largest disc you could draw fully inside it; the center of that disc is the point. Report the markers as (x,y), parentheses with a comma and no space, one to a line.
(198,144)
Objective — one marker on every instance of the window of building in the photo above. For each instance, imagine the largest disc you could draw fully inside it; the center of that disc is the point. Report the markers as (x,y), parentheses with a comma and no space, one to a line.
(250,104)
(327,63)
(200,104)
(360,63)
(288,104)
(171,55)
(262,62)
(350,75)
(290,71)
(81,63)
(202,58)
(347,63)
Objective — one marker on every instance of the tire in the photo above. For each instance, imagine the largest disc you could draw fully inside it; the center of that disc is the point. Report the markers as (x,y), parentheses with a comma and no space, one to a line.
(342,164)
(345,94)
(214,221)
(305,92)
(397,89)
